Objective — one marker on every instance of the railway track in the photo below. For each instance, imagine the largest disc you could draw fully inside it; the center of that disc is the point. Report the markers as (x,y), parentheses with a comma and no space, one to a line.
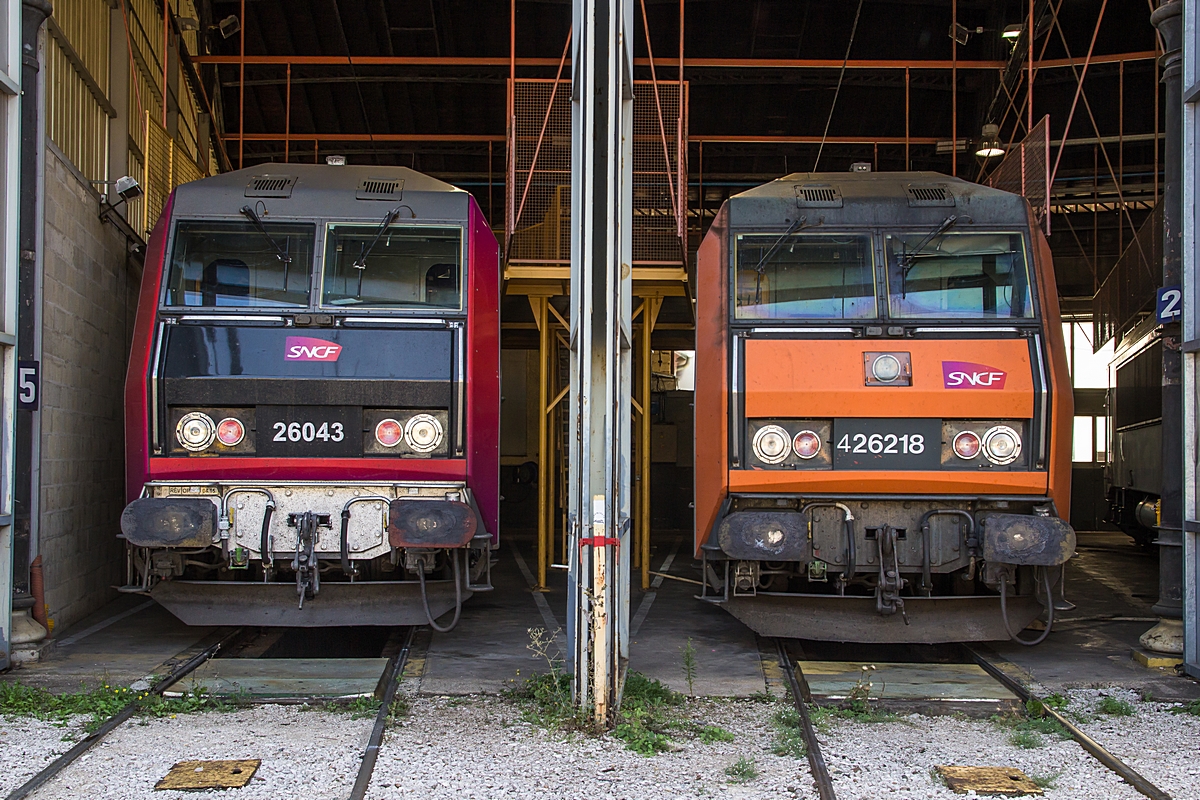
(113,722)
(390,682)
(820,770)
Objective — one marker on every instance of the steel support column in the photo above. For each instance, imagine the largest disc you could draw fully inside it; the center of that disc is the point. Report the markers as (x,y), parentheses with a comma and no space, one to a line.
(1191,346)
(650,308)
(598,490)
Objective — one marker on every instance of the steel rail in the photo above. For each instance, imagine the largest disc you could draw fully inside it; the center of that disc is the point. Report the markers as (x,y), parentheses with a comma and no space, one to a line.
(1094,748)
(367,768)
(89,741)
(816,761)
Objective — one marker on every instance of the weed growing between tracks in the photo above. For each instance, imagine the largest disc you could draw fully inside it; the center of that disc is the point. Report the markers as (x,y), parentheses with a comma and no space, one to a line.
(102,702)
(1028,732)
(743,770)
(789,735)
(1192,708)
(1115,707)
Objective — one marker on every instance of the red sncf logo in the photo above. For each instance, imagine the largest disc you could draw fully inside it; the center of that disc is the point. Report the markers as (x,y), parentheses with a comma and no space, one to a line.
(965,375)
(305,348)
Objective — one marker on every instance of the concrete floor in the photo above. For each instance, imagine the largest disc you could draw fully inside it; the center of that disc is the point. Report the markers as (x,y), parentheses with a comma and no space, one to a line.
(489,650)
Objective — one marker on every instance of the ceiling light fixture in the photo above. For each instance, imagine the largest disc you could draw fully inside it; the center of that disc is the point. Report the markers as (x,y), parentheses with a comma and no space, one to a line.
(989,145)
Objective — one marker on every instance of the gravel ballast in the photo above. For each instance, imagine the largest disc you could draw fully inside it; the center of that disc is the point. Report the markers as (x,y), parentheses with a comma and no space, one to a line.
(308,754)
(479,747)
(1163,746)
(28,745)
(896,759)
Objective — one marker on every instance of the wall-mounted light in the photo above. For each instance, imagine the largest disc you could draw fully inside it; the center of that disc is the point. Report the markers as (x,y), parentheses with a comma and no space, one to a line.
(961,33)
(1012,32)
(229,26)
(989,145)
(188,23)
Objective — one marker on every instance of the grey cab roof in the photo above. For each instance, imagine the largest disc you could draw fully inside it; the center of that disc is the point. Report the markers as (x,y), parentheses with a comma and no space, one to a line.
(321,190)
(874,199)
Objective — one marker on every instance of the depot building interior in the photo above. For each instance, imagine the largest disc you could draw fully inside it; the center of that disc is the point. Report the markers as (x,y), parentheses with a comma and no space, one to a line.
(728,96)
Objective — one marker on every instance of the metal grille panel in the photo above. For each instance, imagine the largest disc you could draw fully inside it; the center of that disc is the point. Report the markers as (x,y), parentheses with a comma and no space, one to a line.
(1132,285)
(1025,170)
(538,211)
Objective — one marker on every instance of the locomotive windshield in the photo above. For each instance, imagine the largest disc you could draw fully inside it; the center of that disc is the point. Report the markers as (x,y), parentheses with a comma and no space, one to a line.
(400,267)
(805,276)
(958,276)
(233,264)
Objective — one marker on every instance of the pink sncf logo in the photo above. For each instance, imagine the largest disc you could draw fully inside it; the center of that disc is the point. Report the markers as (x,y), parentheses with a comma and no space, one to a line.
(965,375)
(305,348)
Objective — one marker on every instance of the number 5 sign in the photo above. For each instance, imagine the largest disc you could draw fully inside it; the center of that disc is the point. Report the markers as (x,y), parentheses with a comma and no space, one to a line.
(29,385)
(1169,307)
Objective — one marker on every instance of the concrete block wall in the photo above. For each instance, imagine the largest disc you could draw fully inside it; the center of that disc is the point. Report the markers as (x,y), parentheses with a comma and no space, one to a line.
(88,300)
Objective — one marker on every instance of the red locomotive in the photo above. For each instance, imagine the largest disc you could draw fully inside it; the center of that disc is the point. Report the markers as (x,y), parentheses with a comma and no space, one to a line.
(313,400)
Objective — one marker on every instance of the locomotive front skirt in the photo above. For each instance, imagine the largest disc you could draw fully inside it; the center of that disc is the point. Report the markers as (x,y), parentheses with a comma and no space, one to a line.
(883,410)
(313,400)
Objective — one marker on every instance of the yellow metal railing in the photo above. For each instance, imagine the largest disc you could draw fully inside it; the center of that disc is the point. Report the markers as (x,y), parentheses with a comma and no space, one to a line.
(165,165)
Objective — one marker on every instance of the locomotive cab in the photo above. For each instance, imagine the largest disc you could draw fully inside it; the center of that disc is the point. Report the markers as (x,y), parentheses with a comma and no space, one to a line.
(313,400)
(882,410)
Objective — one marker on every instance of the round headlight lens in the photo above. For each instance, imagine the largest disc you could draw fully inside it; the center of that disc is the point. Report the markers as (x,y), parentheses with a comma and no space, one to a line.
(771,444)
(1001,445)
(196,431)
(423,433)
(389,432)
(806,444)
(230,432)
(967,444)
(886,368)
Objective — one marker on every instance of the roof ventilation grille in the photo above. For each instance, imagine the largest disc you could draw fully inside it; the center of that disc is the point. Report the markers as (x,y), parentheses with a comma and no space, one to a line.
(380,189)
(270,186)
(818,195)
(929,195)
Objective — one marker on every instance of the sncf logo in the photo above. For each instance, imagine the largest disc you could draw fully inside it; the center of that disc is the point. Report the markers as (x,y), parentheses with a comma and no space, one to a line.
(965,375)
(304,348)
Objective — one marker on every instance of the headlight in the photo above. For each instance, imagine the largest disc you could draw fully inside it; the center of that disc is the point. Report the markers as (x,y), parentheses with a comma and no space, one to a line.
(196,431)
(1001,445)
(230,432)
(771,444)
(389,432)
(806,444)
(423,433)
(886,368)
(966,445)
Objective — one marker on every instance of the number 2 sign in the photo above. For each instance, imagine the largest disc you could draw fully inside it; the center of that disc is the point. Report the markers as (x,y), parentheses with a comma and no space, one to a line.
(1169,307)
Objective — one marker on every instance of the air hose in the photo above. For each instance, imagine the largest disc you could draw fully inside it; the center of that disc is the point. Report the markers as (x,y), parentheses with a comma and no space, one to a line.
(457,595)
(265,539)
(1049,611)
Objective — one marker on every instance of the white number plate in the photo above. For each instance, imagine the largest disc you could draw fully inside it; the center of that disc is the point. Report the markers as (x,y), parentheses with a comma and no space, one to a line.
(895,444)
(309,431)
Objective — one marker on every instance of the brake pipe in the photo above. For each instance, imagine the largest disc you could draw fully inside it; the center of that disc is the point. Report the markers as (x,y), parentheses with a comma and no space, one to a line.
(265,536)
(347,566)
(1049,611)
(927,542)
(851,544)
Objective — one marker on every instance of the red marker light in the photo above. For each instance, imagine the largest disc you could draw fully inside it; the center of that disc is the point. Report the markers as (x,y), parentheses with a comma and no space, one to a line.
(389,432)
(230,432)
(806,444)
(966,445)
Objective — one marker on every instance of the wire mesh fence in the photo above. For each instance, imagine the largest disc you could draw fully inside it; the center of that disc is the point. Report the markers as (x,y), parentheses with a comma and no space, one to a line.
(1025,170)
(165,165)
(1130,289)
(538,214)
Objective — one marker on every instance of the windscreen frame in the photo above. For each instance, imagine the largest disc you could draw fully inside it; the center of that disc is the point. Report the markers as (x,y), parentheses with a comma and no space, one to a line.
(1031,277)
(871,267)
(267,310)
(370,226)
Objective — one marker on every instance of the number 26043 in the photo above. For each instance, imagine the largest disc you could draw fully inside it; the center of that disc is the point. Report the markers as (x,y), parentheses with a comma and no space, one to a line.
(882,443)
(308,432)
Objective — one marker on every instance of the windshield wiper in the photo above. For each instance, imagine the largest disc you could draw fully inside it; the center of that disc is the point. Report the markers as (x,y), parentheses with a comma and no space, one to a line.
(909,257)
(800,224)
(280,252)
(360,263)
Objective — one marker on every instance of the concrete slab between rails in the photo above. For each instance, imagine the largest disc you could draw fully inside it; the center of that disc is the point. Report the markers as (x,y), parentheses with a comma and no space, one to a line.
(488,651)
(286,677)
(933,620)
(726,653)
(119,644)
(910,688)
(275,604)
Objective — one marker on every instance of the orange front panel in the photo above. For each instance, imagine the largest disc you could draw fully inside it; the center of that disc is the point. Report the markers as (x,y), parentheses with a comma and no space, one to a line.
(809,378)
(882,482)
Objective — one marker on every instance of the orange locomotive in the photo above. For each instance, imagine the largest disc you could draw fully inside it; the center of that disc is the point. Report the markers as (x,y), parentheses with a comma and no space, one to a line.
(883,411)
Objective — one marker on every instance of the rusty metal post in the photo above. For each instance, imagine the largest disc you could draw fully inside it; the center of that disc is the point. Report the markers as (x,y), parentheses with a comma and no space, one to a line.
(241,86)
(287,125)
(954,88)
